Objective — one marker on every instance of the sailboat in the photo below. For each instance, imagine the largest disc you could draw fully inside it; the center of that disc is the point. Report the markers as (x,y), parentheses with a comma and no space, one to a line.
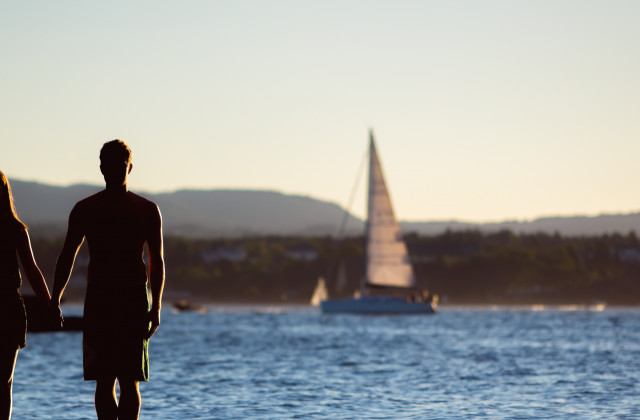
(320,293)
(389,285)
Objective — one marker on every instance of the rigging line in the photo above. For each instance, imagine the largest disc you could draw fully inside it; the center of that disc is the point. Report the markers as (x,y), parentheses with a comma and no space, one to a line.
(345,217)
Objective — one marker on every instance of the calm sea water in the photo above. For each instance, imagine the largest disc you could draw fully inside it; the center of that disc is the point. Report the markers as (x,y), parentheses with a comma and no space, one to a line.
(288,363)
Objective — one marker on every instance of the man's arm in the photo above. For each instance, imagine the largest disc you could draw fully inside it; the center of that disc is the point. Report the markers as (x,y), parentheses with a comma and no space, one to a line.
(156,268)
(64,265)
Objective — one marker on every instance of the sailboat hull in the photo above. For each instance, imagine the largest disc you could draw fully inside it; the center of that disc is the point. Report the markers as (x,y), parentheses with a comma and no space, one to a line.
(376,305)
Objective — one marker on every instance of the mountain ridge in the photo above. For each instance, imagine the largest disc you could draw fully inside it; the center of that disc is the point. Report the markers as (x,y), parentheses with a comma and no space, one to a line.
(234,212)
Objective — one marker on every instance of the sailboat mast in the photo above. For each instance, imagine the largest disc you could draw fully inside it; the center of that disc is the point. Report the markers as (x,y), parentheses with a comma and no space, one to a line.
(370,195)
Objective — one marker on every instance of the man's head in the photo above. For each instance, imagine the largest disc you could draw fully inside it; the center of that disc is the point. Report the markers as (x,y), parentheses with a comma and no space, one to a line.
(115,162)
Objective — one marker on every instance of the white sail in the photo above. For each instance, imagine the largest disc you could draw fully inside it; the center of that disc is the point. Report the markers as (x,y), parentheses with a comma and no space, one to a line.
(387,257)
(320,293)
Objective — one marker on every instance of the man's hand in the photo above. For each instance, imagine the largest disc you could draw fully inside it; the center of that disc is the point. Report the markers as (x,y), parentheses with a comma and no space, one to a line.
(154,319)
(55,315)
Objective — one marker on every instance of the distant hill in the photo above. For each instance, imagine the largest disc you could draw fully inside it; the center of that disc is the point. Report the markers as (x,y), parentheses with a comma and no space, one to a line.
(215,213)
(194,213)
(567,226)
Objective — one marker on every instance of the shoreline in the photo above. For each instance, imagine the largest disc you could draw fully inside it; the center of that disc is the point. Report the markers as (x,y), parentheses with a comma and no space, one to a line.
(280,306)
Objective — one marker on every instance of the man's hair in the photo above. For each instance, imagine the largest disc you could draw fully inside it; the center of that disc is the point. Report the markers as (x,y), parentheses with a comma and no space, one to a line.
(115,150)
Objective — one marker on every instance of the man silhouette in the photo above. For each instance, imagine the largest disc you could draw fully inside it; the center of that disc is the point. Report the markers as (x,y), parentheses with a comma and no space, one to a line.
(117,321)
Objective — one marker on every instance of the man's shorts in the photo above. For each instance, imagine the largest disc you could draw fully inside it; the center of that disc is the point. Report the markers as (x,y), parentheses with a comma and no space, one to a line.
(116,322)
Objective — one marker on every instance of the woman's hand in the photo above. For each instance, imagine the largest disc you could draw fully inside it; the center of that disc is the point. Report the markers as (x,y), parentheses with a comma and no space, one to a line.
(55,314)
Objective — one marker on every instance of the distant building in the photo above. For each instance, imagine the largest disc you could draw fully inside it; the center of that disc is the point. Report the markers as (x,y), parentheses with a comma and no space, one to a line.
(629,254)
(303,253)
(235,254)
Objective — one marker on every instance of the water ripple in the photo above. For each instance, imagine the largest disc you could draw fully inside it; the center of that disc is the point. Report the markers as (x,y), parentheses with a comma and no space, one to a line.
(279,363)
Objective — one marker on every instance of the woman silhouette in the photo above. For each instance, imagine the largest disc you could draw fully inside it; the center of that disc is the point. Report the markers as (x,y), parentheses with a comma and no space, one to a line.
(14,245)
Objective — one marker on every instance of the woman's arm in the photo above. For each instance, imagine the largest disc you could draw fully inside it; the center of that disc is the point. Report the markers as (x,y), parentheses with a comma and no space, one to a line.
(34,275)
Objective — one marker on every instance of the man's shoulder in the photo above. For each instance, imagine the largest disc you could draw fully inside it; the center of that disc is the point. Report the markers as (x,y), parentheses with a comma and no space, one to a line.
(141,199)
(90,201)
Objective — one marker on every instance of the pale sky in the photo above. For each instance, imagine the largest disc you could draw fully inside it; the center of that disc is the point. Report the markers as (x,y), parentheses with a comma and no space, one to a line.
(482,110)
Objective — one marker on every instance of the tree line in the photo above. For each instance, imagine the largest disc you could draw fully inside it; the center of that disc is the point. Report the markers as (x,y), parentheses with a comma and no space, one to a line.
(460,266)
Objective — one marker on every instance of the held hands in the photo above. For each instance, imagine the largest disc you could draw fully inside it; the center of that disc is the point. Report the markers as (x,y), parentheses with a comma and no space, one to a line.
(55,314)
(154,319)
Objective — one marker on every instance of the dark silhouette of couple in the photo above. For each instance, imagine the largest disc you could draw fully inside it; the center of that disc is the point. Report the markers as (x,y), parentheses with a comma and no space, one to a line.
(118,320)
